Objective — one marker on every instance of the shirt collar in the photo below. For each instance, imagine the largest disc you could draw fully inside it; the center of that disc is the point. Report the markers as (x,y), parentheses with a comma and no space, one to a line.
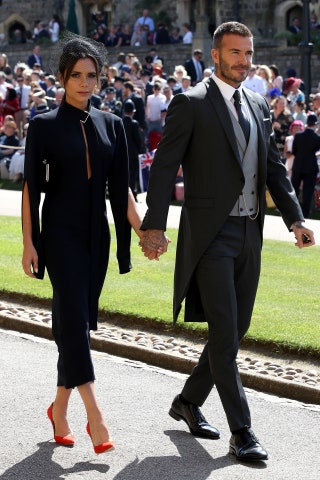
(226,89)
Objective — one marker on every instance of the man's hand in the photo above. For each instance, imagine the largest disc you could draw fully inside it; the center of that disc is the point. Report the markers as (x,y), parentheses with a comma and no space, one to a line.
(304,236)
(153,243)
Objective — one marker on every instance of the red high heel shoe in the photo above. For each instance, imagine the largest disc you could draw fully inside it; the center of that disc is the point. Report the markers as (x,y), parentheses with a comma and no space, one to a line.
(102,447)
(68,440)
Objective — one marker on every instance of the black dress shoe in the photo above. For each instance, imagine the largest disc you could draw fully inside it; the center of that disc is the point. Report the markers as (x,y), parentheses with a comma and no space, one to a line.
(245,446)
(191,414)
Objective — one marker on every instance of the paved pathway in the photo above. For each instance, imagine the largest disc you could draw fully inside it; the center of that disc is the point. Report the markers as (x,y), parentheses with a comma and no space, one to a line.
(150,445)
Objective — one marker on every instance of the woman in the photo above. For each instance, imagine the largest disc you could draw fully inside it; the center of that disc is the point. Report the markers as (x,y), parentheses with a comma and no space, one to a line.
(71,153)
(296,126)
(281,120)
(11,103)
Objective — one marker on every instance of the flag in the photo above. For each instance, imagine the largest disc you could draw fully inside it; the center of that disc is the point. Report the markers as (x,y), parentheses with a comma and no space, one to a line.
(145,162)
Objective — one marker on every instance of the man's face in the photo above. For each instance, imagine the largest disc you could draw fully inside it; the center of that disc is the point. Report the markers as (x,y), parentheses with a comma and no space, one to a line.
(233,58)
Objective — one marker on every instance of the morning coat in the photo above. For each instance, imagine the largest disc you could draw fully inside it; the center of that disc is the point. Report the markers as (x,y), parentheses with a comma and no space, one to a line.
(199,135)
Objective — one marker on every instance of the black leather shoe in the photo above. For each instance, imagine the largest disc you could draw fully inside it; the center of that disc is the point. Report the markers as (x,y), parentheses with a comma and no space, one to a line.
(245,446)
(191,414)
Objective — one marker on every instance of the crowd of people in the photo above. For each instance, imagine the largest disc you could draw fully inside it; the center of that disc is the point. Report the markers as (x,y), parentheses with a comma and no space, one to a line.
(144,31)
(27,90)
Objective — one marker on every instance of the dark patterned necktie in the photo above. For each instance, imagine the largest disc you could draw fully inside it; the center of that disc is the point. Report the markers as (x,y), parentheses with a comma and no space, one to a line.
(244,122)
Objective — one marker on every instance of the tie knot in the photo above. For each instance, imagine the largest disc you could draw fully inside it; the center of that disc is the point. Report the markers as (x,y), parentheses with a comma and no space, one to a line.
(236,96)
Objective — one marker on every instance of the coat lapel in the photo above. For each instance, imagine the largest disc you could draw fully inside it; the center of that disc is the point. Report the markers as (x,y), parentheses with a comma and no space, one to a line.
(222,112)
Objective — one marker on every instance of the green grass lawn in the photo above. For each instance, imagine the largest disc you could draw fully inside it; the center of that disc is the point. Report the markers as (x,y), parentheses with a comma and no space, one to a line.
(287,310)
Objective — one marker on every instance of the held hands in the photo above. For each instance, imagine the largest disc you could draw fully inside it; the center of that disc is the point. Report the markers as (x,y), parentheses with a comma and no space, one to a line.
(30,260)
(153,243)
(303,235)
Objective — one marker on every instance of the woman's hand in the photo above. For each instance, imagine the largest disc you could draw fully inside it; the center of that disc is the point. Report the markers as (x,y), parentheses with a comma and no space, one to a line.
(30,260)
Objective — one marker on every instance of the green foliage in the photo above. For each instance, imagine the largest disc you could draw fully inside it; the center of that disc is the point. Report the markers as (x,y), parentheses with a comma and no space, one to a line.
(287,308)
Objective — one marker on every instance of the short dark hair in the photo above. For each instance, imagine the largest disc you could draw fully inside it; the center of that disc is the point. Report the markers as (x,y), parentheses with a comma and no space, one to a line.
(129,85)
(228,28)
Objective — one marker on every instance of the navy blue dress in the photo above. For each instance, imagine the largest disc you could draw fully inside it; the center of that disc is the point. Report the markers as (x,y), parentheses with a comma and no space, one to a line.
(74,238)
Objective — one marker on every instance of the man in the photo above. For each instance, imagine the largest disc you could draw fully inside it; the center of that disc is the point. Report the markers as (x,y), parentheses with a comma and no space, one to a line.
(305,168)
(220,234)
(145,20)
(110,103)
(134,141)
(295,25)
(21,116)
(195,67)
(140,114)
(34,57)
(254,82)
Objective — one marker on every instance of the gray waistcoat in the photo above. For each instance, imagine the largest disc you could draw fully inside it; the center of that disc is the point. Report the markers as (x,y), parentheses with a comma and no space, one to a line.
(247,203)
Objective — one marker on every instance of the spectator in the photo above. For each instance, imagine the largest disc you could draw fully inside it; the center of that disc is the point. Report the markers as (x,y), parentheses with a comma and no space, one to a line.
(126,35)
(138,37)
(305,166)
(154,54)
(295,126)
(172,82)
(110,102)
(167,92)
(10,105)
(114,39)
(145,20)
(148,64)
(19,68)
(43,33)
(3,85)
(58,99)
(54,28)
(300,112)
(9,139)
(175,36)
(295,27)
(16,168)
(186,83)
(265,73)
(121,60)
(149,35)
(34,57)
(316,105)
(101,33)
(21,115)
(154,106)
(51,86)
(187,34)
(207,72)
(254,82)
(277,80)
(314,24)
(38,103)
(140,114)
(161,35)
(281,118)
(195,66)
(178,73)
(292,91)
(135,147)
(5,67)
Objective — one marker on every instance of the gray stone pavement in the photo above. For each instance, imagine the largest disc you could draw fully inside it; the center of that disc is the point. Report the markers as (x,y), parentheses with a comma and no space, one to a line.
(150,445)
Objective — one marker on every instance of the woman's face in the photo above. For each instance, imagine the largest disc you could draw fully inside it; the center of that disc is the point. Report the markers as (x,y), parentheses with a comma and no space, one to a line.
(81,84)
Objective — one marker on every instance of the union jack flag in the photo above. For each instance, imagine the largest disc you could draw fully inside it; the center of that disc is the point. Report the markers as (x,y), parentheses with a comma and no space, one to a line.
(145,162)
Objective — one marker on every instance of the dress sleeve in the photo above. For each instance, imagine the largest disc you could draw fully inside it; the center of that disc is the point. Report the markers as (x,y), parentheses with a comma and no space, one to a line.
(34,176)
(118,186)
